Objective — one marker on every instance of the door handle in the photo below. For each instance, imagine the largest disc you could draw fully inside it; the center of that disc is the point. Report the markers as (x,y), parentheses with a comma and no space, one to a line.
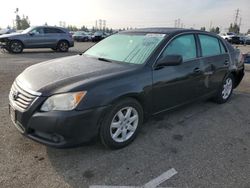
(197,70)
(226,62)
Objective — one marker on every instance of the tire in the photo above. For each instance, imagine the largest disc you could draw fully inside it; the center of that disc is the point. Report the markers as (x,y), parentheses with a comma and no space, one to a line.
(15,47)
(117,130)
(226,90)
(63,46)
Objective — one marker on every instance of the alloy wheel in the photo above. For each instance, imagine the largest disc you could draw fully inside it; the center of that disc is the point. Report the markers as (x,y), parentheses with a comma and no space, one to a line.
(16,47)
(124,124)
(227,88)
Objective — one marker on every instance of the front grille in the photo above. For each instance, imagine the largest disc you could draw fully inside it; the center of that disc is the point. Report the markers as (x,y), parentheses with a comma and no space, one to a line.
(21,97)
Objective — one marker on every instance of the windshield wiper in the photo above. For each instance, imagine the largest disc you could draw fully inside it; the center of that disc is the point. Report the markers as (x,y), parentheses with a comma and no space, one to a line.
(103,59)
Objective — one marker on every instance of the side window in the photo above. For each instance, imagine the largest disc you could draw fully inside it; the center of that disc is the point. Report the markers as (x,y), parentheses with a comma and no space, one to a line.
(222,47)
(49,30)
(52,30)
(37,31)
(209,45)
(59,31)
(184,46)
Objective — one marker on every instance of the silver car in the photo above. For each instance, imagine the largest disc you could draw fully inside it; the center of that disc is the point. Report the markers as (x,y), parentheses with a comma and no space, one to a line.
(56,38)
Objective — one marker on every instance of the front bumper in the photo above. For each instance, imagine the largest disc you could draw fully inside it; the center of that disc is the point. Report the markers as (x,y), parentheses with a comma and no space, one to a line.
(60,129)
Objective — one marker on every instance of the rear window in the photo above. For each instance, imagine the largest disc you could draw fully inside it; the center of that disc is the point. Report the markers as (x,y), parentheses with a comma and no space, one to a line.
(209,45)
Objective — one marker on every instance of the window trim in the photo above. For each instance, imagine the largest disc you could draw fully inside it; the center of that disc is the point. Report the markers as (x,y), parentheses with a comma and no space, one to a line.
(173,38)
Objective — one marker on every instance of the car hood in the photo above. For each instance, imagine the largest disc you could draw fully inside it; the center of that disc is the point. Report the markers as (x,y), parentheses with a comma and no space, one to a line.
(10,35)
(58,73)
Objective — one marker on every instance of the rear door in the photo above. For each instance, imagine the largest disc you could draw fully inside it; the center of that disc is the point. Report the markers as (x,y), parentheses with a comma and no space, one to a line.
(52,36)
(176,85)
(214,62)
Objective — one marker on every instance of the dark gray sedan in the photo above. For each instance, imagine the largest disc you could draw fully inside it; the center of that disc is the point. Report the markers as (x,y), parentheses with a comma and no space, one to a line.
(56,38)
(109,90)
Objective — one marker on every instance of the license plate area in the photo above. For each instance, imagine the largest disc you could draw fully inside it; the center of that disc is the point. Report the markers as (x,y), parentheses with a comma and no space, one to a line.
(13,116)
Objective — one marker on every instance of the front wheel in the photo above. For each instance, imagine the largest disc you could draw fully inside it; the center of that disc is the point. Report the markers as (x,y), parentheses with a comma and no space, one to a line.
(226,90)
(120,126)
(15,47)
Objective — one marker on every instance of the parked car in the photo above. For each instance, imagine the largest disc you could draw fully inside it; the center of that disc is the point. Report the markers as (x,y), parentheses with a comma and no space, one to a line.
(98,36)
(108,90)
(7,31)
(81,36)
(56,38)
(237,40)
(228,36)
(246,58)
(247,40)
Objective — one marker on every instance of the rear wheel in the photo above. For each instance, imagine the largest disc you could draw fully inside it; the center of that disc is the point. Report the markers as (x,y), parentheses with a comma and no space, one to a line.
(63,46)
(225,91)
(15,47)
(120,126)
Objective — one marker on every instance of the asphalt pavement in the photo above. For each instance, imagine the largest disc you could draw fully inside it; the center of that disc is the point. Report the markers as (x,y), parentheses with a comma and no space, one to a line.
(206,144)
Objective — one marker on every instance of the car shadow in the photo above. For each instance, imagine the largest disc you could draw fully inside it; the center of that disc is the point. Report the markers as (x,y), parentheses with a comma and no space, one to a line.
(93,164)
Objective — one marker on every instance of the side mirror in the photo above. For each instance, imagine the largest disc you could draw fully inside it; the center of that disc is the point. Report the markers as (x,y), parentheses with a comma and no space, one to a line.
(170,60)
(31,34)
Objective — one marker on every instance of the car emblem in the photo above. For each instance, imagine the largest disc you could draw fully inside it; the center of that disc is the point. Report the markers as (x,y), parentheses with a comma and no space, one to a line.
(15,95)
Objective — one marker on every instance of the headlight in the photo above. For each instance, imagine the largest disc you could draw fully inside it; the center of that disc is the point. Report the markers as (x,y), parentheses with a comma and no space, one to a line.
(63,102)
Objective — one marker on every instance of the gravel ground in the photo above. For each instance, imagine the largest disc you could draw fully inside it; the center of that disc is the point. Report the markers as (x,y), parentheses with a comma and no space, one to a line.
(208,144)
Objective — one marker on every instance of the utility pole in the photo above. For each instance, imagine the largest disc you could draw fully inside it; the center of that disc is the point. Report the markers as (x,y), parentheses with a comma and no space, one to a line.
(210,26)
(236,16)
(179,22)
(240,22)
(104,25)
(96,25)
(175,23)
(100,24)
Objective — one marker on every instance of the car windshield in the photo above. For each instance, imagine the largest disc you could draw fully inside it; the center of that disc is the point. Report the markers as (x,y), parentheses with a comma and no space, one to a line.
(27,30)
(127,48)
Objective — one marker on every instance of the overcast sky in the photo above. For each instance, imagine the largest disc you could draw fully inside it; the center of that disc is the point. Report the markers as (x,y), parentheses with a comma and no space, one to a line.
(129,13)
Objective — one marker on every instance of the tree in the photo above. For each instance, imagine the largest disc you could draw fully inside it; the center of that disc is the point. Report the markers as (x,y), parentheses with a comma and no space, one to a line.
(93,29)
(25,22)
(72,28)
(215,30)
(248,31)
(21,23)
(203,29)
(234,28)
(83,28)
(18,22)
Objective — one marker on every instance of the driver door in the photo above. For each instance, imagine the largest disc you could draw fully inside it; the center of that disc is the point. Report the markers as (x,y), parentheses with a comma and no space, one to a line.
(35,38)
(177,85)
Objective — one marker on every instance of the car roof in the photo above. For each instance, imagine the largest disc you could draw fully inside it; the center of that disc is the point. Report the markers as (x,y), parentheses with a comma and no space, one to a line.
(46,26)
(162,30)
